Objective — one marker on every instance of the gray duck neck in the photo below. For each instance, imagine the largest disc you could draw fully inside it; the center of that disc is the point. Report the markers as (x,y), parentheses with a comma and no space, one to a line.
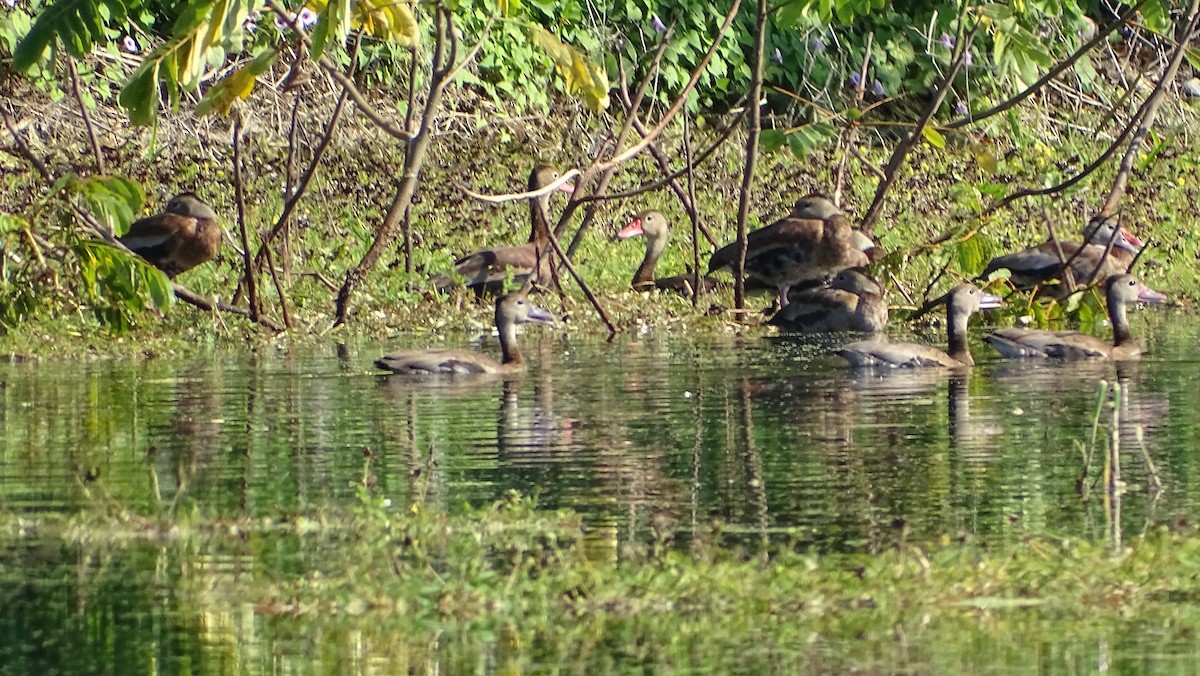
(1120,323)
(510,353)
(645,271)
(539,218)
(956,328)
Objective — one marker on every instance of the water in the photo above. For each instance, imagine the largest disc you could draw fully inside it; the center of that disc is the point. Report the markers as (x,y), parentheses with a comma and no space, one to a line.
(650,438)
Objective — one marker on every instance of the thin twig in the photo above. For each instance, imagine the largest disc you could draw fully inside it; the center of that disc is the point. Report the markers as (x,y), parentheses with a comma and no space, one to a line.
(1067,274)
(698,71)
(240,196)
(1152,105)
(892,170)
(1101,36)
(686,197)
(847,141)
(755,124)
(87,119)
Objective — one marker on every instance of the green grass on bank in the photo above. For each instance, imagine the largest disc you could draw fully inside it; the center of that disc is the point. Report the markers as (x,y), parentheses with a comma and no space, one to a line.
(938,191)
(548,589)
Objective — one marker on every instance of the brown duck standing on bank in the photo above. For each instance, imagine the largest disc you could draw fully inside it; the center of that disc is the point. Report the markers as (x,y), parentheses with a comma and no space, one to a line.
(813,241)
(1040,264)
(962,302)
(511,309)
(185,235)
(1120,290)
(852,302)
(485,271)
(653,225)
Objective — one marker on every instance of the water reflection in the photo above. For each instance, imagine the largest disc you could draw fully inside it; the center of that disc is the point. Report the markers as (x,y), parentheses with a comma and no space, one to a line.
(656,437)
(659,442)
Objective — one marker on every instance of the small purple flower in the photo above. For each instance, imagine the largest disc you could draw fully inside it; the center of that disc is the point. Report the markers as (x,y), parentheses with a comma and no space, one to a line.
(776,56)
(947,41)
(855,80)
(967,58)
(10,3)
(282,23)
(658,25)
(307,18)
(250,27)
(960,108)
(816,45)
(877,88)
(130,45)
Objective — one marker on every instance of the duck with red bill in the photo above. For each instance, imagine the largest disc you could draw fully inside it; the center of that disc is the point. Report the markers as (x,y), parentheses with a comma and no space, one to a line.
(655,227)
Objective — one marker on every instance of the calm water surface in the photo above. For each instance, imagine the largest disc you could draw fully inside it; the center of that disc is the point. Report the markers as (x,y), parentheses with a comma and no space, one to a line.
(650,438)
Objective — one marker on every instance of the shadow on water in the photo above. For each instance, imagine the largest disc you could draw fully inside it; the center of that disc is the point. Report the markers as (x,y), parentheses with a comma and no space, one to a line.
(658,443)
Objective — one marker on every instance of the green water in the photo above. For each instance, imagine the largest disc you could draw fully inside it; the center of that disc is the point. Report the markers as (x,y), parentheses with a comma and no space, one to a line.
(653,440)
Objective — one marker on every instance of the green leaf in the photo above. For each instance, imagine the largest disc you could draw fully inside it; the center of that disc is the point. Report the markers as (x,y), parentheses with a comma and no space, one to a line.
(934,137)
(772,139)
(139,96)
(162,292)
(76,23)
(114,200)
(808,138)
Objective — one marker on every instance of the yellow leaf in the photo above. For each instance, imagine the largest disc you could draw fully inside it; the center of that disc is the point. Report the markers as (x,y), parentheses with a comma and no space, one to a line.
(987,162)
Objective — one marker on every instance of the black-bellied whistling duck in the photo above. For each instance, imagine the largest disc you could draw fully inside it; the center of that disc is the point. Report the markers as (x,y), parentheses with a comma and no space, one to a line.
(962,302)
(511,309)
(653,225)
(1119,290)
(813,241)
(485,271)
(1040,264)
(185,235)
(852,302)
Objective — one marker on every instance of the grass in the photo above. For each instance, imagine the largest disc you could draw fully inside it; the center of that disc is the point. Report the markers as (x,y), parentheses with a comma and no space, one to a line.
(939,190)
(555,591)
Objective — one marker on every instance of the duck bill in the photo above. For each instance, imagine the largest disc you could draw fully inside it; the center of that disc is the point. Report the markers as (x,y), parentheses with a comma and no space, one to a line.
(990,301)
(1148,295)
(541,315)
(567,187)
(632,230)
(1128,241)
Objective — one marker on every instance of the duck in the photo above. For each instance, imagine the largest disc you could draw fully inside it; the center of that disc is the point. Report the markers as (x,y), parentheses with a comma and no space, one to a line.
(852,302)
(485,271)
(961,302)
(1036,266)
(655,227)
(511,309)
(813,241)
(185,235)
(1119,291)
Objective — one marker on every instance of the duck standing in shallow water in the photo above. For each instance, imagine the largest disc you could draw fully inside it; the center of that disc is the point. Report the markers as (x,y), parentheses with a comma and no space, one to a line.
(1038,265)
(655,227)
(1120,291)
(486,270)
(962,302)
(852,302)
(511,309)
(185,235)
(813,241)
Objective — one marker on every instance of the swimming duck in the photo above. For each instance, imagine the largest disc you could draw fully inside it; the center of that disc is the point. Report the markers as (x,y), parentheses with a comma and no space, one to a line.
(1119,290)
(485,271)
(655,227)
(962,302)
(813,241)
(852,302)
(511,309)
(185,235)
